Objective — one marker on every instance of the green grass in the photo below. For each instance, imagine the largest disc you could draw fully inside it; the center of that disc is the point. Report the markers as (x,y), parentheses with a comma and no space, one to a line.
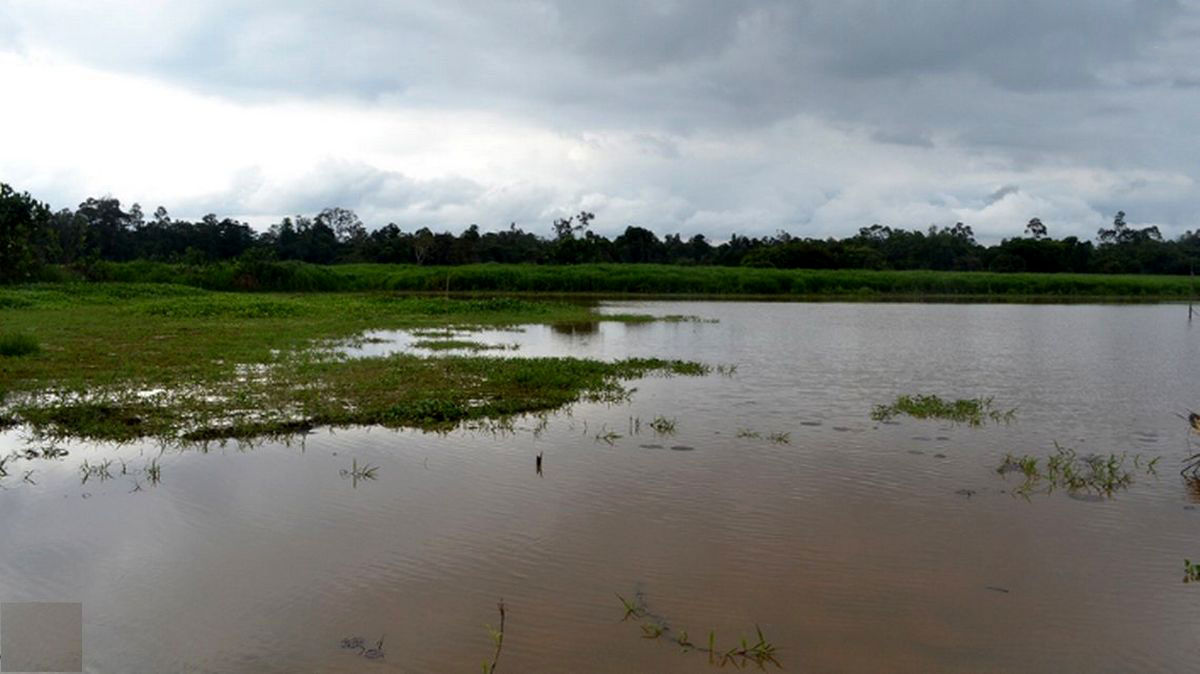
(456,345)
(125,361)
(758,652)
(610,279)
(1191,571)
(1102,475)
(973,411)
(13,345)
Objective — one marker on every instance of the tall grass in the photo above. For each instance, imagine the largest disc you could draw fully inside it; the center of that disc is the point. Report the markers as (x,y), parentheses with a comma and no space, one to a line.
(17,344)
(640,279)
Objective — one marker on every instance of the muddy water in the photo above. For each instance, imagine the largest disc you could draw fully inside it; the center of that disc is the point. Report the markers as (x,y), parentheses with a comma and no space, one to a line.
(856,546)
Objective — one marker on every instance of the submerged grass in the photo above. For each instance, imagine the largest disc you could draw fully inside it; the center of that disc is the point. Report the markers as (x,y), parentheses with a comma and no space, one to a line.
(972,411)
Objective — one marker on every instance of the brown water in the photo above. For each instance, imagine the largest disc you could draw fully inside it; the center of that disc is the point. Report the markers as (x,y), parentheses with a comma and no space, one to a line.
(849,545)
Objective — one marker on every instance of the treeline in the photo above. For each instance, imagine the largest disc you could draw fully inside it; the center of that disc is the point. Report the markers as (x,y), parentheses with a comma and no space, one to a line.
(32,236)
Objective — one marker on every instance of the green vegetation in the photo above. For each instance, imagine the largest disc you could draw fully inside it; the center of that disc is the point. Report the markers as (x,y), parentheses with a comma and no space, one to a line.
(759,652)
(623,279)
(1191,571)
(100,230)
(663,425)
(357,473)
(456,345)
(123,361)
(973,411)
(496,634)
(15,344)
(1065,469)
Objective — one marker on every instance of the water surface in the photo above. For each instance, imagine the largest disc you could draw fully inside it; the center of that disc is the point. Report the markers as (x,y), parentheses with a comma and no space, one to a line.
(856,546)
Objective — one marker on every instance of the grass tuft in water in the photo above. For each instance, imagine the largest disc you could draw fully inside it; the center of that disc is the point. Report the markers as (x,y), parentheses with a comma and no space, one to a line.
(759,652)
(663,425)
(973,411)
(357,473)
(497,636)
(1102,475)
(1191,571)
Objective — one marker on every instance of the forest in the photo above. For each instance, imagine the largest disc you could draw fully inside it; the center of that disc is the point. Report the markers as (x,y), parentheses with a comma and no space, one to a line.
(34,237)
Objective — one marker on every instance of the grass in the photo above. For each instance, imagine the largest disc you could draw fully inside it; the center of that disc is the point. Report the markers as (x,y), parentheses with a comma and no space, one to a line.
(646,279)
(13,345)
(1191,571)
(497,636)
(125,361)
(972,411)
(456,345)
(357,474)
(758,651)
(1102,475)
(663,425)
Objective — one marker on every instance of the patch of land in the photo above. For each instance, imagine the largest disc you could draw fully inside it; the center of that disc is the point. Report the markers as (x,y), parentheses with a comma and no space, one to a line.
(120,361)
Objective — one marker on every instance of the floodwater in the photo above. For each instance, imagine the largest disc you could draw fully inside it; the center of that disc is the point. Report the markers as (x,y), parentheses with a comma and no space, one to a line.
(855,546)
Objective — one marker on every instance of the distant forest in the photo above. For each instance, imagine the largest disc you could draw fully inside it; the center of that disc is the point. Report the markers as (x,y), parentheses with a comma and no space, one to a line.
(32,236)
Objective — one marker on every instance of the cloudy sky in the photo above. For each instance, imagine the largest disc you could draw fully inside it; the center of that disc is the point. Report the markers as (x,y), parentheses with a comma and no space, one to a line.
(702,116)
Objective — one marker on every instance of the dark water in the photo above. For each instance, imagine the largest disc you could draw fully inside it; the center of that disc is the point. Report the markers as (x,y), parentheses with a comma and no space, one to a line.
(855,546)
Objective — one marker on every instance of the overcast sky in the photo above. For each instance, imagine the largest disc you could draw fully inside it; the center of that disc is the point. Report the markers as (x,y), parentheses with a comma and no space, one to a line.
(681,116)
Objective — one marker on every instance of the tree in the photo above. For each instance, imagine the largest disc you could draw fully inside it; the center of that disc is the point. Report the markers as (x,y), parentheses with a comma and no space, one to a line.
(564,228)
(1036,229)
(1119,232)
(344,223)
(24,235)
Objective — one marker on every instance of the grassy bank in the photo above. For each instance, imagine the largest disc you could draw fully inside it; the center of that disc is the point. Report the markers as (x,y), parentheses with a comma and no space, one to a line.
(118,361)
(619,279)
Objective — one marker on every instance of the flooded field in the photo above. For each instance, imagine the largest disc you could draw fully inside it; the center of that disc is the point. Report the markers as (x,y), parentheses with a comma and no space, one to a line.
(765,495)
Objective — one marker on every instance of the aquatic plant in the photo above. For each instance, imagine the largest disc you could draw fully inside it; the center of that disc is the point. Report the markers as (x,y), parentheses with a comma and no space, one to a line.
(153,471)
(97,470)
(973,411)
(497,636)
(607,436)
(748,433)
(1102,475)
(759,652)
(355,473)
(457,345)
(663,425)
(726,370)
(1191,571)
(360,645)
(780,438)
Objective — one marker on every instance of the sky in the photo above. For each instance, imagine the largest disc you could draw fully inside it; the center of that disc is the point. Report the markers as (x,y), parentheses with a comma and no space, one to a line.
(700,116)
